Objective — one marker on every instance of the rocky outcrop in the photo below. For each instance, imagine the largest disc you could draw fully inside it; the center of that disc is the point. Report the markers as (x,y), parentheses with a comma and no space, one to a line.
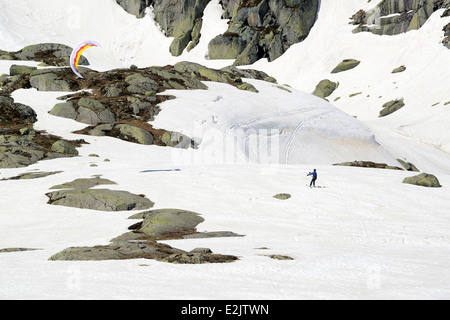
(258,28)
(399,69)
(391,107)
(48,81)
(50,54)
(424,180)
(135,7)
(446,30)
(408,166)
(120,103)
(262,29)
(31,175)
(20,144)
(325,88)
(180,19)
(15,113)
(80,195)
(141,243)
(367,164)
(392,17)
(345,65)
(159,222)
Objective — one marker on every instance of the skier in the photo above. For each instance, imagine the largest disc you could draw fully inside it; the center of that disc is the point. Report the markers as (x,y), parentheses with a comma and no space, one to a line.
(314,178)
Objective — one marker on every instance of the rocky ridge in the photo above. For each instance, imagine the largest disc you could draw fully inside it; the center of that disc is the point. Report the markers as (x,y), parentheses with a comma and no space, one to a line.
(392,17)
(257,28)
(119,103)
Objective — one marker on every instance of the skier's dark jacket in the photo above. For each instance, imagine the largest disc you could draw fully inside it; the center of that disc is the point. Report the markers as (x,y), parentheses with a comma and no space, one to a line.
(313,174)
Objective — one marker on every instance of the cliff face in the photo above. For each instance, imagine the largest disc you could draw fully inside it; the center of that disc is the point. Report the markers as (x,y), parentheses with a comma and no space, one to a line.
(257,29)
(267,28)
(392,17)
(263,29)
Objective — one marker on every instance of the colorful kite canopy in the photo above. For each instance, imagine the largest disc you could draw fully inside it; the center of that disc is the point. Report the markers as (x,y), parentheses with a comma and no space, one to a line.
(77,52)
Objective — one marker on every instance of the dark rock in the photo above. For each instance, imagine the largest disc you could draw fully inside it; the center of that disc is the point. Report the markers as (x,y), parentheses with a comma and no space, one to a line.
(282,196)
(159,222)
(21,70)
(392,17)
(32,175)
(367,164)
(51,54)
(49,82)
(325,88)
(345,65)
(99,199)
(423,180)
(391,107)
(408,166)
(399,69)
(78,194)
(64,147)
(262,29)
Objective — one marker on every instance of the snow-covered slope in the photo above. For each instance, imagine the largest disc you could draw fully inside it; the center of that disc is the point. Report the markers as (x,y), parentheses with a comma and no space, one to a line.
(363,234)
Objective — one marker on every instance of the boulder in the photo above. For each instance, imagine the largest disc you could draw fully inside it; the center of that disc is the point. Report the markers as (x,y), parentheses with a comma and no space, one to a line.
(49,82)
(21,70)
(399,69)
(325,88)
(137,134)
(64,147)
(423,180)
(160,222)
(64,110)
(345,65)
(176,140)
(116,251)
(248,87)
(282,196)
(99,199)
(226,46)
(408,165)
(140,84)
(78,194)
(391,107)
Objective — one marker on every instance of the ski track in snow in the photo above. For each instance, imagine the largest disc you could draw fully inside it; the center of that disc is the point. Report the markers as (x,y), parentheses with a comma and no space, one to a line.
(297,129)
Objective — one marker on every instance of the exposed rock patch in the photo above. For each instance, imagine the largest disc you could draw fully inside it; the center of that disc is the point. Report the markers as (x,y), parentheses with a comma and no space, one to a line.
(423,180)
(78,194)
(163,224)
(391,106)
(262,29)
(392,17)
(50,54)
(345,65)
(282,196)
(367,164)
(32,175)
(325,88)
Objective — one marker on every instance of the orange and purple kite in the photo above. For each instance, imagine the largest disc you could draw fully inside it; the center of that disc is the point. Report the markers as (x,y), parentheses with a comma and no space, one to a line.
(76,55)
